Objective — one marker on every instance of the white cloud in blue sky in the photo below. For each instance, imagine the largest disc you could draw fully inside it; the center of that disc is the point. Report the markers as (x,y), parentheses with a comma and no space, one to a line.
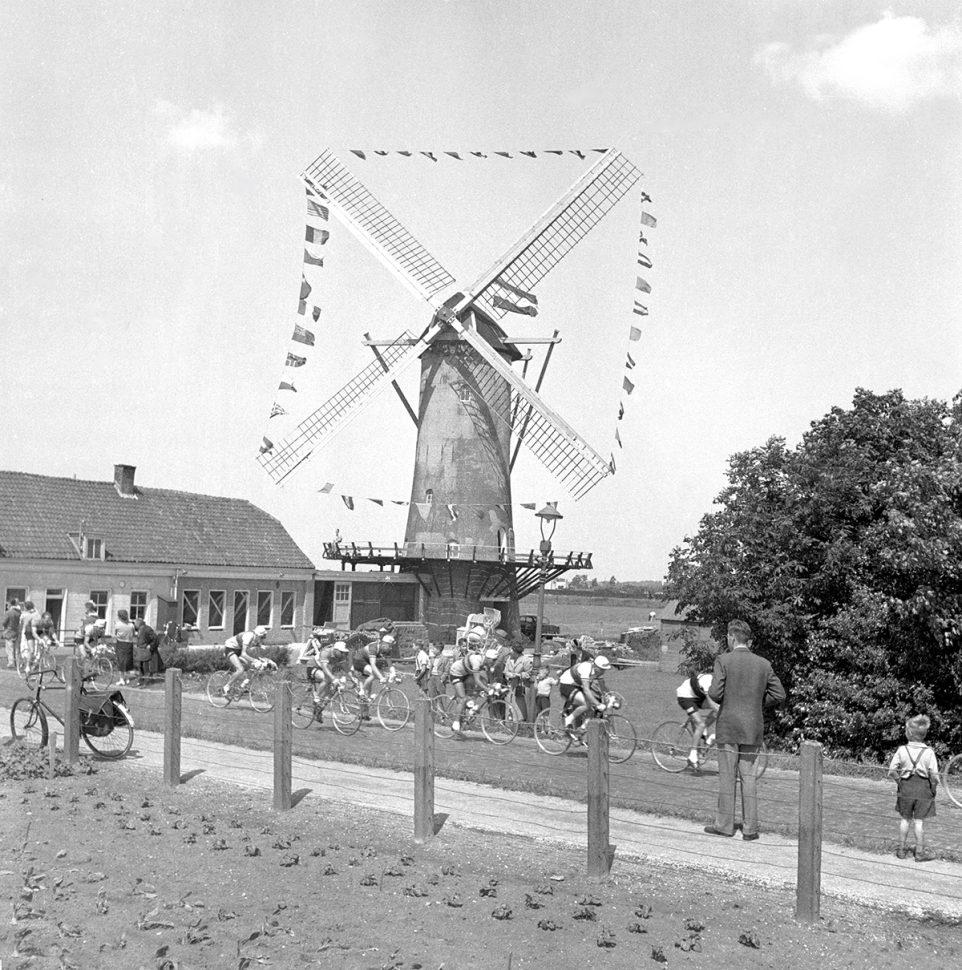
(891,65)
(195,129)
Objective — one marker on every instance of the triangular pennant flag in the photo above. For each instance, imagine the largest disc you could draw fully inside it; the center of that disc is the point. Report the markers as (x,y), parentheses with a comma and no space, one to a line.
(325,489)
(454,155)
(317,211)
(528,505)
(621,410)
(600,151)
(316,313)
(294,361)
(377,501)
(312,260)
(643,239)
(406,154)
(611,464)
(643,260)
(630,363)
(424,509)
(499,303)
(479,154)
(267,446)
(397,501)
(453,512)
(302,307)
(303,336)
(277,410)
(554,151)
(359,153)
(640,309)
(316,236)
(580,154)
(286,386)
(618,439)
(530,154)
(381,151)
(645,197)
(627,385)
(503,154)
(430,155)
(642,285)
(647,219)
(348,501)
(635,334)
(517,291)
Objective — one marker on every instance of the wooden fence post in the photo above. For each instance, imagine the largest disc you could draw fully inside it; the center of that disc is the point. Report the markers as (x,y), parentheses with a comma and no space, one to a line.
(423,771)
(52,755)
(172,708)
(282,747)
(71,712)
(809,882)
(600,851)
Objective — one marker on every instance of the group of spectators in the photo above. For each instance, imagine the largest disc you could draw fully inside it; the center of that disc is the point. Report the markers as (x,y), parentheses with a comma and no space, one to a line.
(24,629)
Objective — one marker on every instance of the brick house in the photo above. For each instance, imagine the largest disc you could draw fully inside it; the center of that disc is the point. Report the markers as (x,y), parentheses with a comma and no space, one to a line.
(220,564)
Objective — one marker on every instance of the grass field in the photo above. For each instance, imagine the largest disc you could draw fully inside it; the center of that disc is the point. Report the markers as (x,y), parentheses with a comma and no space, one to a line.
(597,618)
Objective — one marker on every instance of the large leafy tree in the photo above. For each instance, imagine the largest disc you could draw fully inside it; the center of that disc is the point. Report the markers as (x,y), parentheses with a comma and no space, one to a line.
(845,555)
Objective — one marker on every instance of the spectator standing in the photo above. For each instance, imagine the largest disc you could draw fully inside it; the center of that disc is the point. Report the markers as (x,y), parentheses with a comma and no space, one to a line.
(542,691)
(422,666)
(743,684)
(124,636)
(916,769)
(517,671)
(28,634)
(145,639)
(11,632)
(88,623)
(439,668)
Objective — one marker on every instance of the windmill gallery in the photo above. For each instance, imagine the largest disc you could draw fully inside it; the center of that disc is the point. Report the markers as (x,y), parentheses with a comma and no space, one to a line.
(474,410)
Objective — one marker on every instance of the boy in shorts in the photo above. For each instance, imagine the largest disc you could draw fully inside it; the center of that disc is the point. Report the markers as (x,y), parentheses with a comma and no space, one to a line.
(916,770)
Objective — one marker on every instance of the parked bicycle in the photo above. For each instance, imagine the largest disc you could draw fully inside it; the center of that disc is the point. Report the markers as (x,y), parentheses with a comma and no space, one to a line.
(499,727)
(105,722)
(258,683)
(671,745)
(553,738)
(952,779)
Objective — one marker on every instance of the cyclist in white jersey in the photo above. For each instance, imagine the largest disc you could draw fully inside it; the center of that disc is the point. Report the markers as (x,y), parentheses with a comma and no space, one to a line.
(692,695)
(237,649)
(582,687)
(468,671)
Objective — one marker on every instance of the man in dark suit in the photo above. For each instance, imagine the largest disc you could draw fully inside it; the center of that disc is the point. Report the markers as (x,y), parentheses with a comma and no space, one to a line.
(743,684)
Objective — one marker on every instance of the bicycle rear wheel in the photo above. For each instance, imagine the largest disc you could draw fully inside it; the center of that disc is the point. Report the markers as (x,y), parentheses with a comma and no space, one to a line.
(100,672)
(670,744)
(215,688)
(952,779)
(442,710)
(503,729)
(28,722)
(263,689)
(302,705)
(622,738)
(346,713)
(550,734)
(110,735)
(393,708)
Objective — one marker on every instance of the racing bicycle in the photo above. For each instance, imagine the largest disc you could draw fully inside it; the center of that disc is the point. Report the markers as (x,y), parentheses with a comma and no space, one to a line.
(341,702)
(671,744)
(952,779)
(257,682)
(499,728)
(553,738)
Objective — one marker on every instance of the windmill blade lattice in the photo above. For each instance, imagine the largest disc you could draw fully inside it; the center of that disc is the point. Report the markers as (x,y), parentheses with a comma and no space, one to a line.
(557,232)
(296,447)
(376,228)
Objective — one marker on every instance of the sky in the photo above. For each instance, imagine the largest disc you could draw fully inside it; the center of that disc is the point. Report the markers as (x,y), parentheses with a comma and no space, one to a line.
(802,160)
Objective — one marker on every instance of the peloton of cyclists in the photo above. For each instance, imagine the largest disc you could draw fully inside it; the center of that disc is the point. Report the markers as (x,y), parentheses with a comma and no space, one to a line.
(238,649)
(325,663)
(582,687)
(365,666)
(693,699)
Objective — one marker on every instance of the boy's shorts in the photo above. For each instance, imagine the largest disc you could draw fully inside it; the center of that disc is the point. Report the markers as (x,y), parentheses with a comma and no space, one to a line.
(915,798)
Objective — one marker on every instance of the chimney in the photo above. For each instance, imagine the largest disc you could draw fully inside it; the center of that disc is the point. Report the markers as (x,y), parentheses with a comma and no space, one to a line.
(124,479)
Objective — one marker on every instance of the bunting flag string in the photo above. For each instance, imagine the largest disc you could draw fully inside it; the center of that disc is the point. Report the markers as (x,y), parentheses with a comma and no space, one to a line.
(348,501)
(303,336)
(453,509)
(286,386)
(460,156)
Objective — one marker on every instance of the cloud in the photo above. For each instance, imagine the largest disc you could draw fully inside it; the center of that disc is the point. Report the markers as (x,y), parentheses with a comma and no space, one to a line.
(195,129)
(890,65)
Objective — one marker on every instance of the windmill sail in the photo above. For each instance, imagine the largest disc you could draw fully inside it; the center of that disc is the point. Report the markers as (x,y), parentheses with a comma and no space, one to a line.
(377,229)
(288,453)
(555,234)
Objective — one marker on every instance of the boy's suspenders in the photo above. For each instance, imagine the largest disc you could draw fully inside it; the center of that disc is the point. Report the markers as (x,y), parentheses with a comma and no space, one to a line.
(915,761)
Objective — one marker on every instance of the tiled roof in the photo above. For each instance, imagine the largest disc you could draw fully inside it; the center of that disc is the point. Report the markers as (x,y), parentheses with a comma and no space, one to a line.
(37,512)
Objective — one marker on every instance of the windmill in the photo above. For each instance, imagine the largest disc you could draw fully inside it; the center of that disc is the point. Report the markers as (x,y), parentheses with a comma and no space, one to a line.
(473,405)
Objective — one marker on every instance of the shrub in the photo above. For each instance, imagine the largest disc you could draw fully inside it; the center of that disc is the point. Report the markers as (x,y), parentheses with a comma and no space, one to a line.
(644,644)
(205,660)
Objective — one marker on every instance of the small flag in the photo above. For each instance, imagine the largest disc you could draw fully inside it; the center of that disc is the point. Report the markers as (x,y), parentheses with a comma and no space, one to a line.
(316,313)
(453,512)
(405,154)
(554,151)
(642,285)
(528,505)
(630,363)
(627,385)
(479,154)
(316,210)
(377,501)
(380,151)
(643,239)
(618,439)
(302,307)
(635,334)
(424,509)
(348,501)
(640,309)
(395,501)
(499,303)
(359,153)
(286,386)
(317,236)
(517,291)
(277,410)
(325,489)
(621,410)
(647,219)
(294,361)
(580,154)
(611,464)
(643,260)
(454,155)
(303,336)
(503,154)
(312,260)
(529,154)
(267,446)
(645,197)
(430,155)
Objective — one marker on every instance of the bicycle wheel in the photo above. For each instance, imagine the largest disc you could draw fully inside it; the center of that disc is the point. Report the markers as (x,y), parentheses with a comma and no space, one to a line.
(670,744)
(302,705)
(345,711)
(442,710)
(952,779)
(215,688)
(263,689)
(28,722)
(549,733)
(100,672)
(33,675)
(393,708)
(501,730)
(108,735)
(622,738)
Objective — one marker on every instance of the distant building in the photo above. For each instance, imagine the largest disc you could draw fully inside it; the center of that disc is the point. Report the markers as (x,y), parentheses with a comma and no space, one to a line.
(220,564)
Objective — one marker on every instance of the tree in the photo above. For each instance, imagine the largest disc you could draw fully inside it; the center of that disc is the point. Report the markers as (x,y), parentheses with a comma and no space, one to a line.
(613,581)
(579,581)
(845,555)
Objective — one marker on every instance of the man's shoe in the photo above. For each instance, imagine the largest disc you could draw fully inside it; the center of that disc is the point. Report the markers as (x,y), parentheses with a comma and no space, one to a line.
(922,856)
(711,830)
(746,837)
(901,852)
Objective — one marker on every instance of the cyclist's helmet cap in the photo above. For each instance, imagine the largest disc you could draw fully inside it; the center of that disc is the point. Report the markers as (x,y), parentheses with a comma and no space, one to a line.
(602,663)
(260,631)
(340,647)
(387,638)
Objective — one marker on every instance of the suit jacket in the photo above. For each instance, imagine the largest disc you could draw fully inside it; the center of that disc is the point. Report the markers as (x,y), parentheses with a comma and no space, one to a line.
(743,684)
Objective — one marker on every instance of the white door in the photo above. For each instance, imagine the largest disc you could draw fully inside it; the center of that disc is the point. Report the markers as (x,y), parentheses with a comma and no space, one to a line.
(342,606)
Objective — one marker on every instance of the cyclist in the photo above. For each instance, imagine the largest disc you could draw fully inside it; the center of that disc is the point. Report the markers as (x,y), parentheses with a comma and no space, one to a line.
(469,670)
(238,656)
(45,637)
(365,663)
(325,662)
(693,699)
(93,633)
(582,686)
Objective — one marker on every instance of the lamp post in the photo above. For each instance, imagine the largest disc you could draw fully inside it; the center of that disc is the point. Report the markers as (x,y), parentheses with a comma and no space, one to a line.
(549,517)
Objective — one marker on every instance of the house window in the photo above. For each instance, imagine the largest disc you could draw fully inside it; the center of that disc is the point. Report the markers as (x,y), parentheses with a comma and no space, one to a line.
(240,611)
(93,548)
(287,608)
(138,606)
(189,607)
(18,593)
(342,592)
(215,609)
(100,599)
(265,606)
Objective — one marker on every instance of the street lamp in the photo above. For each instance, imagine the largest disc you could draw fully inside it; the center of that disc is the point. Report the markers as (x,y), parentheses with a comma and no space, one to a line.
(549,517)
